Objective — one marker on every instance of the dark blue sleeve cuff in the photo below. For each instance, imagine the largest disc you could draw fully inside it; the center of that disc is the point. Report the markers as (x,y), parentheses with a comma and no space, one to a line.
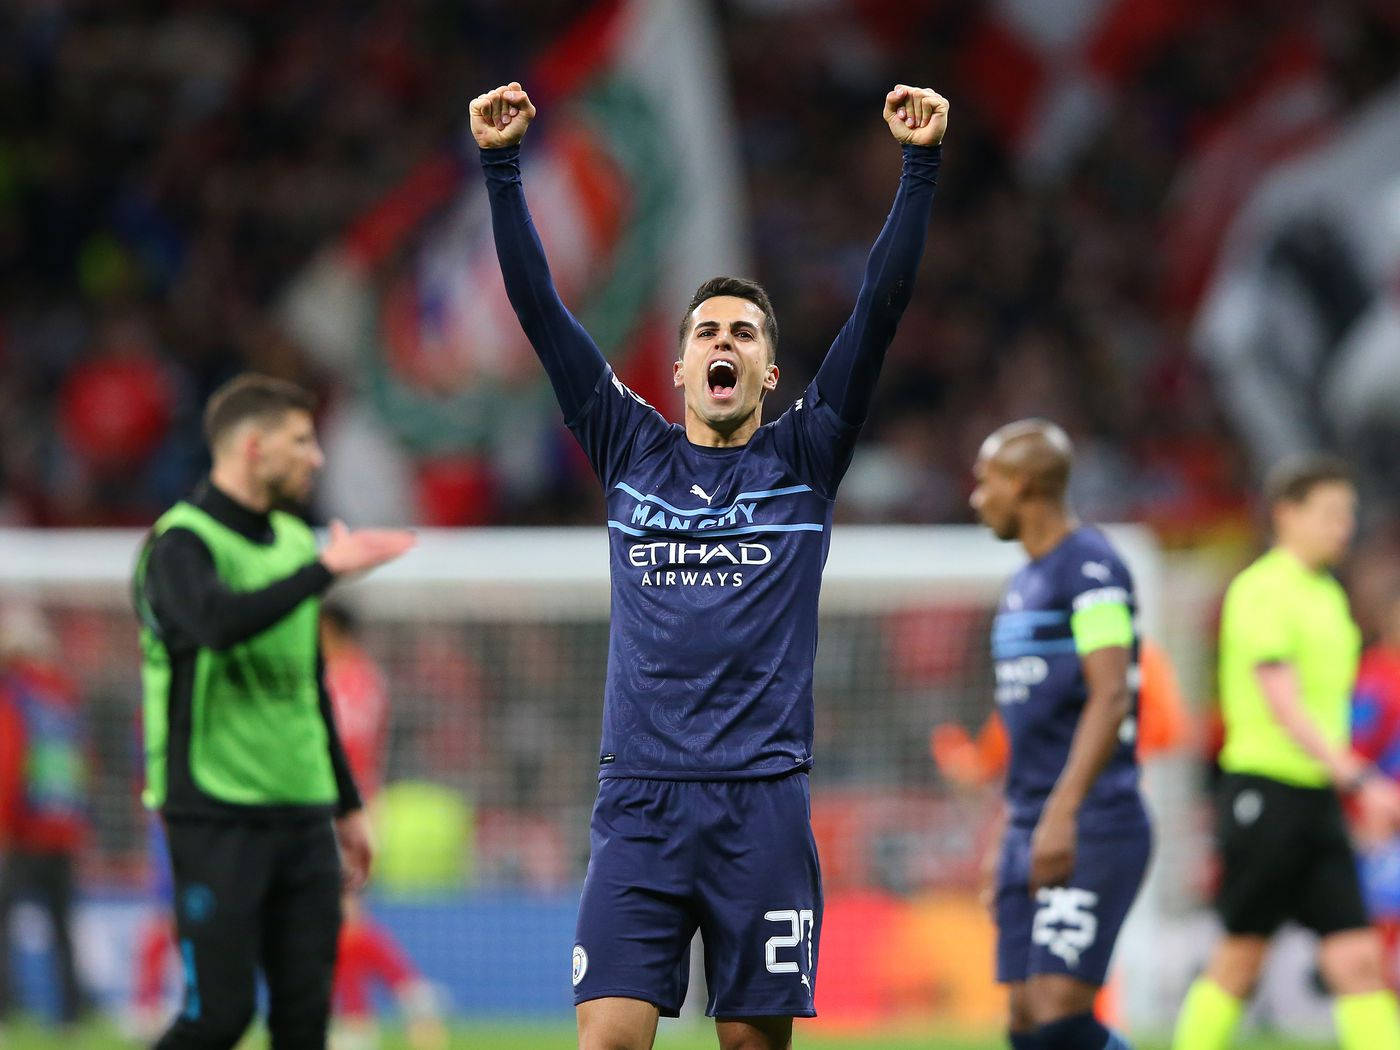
(502,163)
(922,162)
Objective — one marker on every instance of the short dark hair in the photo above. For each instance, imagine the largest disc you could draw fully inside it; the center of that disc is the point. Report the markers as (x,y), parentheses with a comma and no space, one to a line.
(1292,480)
(740,288)
(251,396)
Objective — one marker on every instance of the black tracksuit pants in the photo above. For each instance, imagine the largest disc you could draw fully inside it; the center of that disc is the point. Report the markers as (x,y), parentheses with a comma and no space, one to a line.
(253,895)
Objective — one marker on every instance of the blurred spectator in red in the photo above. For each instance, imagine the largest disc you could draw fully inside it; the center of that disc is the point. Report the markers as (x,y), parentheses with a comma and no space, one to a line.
(367,955)
(359,698)
(367,952)
(1376,737)
(116,406)
(43,795)
(1376,709)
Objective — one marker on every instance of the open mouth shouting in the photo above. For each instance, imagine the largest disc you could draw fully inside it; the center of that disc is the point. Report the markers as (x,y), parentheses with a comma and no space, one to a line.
(722,378)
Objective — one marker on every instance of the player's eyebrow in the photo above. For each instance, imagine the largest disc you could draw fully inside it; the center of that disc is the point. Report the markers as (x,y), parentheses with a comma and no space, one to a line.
(734,326)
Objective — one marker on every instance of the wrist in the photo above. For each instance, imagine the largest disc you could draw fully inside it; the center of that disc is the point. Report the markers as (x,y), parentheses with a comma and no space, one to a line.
(1353,782)
(1345,766)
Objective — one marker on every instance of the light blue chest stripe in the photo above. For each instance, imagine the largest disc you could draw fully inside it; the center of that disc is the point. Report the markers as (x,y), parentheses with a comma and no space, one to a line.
(1031,616)
(814,526)
(1032,647)
(764,494)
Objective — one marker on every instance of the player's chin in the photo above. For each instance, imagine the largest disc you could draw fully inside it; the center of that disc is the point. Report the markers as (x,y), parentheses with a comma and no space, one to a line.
(1004,530)
(724,409)
(296,492)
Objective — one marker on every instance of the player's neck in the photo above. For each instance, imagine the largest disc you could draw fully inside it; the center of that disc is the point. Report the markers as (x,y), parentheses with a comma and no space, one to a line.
(698,432)
(238,485)
(1044,528)
(1299,554)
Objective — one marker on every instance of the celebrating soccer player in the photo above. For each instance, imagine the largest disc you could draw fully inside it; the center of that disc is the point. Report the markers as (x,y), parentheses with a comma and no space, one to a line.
(1077,837)
(1288,658)
(719,530)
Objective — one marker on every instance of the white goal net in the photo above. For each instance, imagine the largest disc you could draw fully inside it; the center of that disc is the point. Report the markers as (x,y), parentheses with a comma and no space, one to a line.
(493,646)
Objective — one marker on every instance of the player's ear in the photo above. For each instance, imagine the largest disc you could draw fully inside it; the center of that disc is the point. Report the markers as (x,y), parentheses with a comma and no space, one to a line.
(1023,485)
(678,374)
(770,378)
(249,443)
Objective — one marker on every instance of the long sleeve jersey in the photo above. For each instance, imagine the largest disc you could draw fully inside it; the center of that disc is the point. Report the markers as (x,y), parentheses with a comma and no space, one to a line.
(716,553)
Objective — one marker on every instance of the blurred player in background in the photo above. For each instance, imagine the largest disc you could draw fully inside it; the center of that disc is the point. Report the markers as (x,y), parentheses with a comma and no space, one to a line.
(1164,725)
(1375,736)
(367,953)
(719,531)
(243,759)
(1288,661)
(44,785)
(359,698)
(1077,839)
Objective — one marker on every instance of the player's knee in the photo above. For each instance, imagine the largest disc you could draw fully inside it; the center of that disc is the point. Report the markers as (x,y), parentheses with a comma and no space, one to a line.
(1236,964)
(1351,962)
(758,1041)
(1019,1017)
(769,1033)
(1053,998)
(611,1040)
(603,1034)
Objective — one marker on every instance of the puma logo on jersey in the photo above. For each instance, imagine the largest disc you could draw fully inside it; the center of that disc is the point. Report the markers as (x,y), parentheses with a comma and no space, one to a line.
(1097,570)
(807,982)
(700,492)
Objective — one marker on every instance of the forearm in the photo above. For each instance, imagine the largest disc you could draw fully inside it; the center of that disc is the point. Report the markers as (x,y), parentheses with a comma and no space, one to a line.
(188,594)
(1279,684)
(846,378)
(570,357)
(1095,740)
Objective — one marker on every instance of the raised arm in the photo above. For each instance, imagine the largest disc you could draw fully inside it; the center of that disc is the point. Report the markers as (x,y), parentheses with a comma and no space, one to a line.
(573,361)
(917,118)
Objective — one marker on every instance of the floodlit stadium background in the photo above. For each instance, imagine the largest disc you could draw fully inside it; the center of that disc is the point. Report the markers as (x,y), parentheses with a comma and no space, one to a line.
(1174,227)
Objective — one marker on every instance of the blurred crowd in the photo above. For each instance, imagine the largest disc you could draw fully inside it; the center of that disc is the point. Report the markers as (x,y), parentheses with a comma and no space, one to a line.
(167,168)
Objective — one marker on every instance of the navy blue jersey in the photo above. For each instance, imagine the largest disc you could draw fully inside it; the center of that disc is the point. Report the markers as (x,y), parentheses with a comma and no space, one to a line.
(716,560)
(716,553)
(1040,687)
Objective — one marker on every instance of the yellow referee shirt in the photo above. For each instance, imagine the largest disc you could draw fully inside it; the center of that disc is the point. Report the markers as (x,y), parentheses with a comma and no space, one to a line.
(1279,611)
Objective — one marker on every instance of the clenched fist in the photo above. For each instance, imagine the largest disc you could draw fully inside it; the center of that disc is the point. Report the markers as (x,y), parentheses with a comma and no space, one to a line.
(916,116)
(501,117)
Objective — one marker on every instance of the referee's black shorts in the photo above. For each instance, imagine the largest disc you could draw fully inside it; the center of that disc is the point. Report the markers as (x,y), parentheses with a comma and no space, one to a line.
(1286,855)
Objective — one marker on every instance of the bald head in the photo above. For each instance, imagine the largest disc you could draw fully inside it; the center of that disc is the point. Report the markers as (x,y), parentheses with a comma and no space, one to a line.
(1036,450)
(1022,472)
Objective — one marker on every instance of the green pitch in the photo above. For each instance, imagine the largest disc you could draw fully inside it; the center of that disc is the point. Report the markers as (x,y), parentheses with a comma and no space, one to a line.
(698,1038)
(561,1037)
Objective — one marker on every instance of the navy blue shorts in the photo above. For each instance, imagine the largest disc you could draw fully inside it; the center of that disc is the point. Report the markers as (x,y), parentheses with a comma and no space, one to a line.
(1068,929)
(734,859)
